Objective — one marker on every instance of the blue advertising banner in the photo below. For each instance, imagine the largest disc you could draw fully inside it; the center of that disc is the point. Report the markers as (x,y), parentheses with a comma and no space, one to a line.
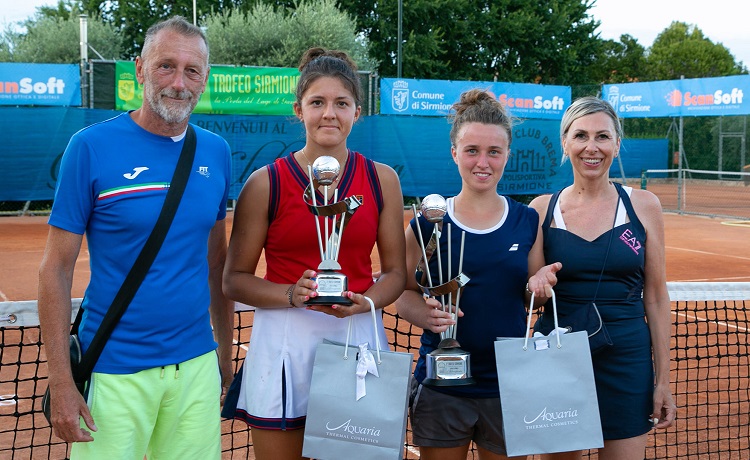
(39,84)
(37,138)
(696,97)
(435,97)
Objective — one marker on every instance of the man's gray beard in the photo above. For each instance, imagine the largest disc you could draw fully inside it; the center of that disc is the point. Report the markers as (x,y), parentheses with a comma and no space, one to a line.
(169,114)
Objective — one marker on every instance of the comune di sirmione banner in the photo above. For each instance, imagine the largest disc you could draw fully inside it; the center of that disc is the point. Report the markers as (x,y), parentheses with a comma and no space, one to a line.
(719,96)
(230,90)
(434,98)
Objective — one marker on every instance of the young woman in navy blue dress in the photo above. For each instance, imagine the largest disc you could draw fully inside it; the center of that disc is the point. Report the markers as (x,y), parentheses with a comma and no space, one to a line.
(607,242)
(502,247)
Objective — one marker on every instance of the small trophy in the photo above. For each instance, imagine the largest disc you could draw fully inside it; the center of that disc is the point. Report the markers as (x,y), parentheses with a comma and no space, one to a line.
(331,283)
(447,365)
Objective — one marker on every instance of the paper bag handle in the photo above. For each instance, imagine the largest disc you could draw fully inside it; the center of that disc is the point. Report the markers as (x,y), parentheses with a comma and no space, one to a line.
(374,328)
(531,313)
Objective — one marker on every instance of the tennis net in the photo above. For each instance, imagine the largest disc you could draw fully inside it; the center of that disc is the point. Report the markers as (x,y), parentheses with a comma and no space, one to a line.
(710,367)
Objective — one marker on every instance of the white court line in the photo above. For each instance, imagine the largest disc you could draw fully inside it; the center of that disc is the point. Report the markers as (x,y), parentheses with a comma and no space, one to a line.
(3,297)
(244,347)
(708,253)
(710,280)
(720,323)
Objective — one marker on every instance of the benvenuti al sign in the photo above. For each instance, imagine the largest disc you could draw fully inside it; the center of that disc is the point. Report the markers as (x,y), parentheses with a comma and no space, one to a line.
(230,90)
(40,84)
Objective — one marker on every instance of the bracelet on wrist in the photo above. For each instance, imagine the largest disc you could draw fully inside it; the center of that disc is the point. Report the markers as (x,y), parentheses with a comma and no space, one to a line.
(289,292)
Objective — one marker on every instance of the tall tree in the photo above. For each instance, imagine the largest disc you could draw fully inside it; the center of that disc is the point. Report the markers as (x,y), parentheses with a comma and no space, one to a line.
(683,50)
(52,35)
(278,36)
(511,40)
(8,39)
(622,61)
(134,17)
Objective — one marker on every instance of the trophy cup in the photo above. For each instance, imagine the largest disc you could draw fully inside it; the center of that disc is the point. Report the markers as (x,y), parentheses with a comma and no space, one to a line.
(447,365)
(331,283)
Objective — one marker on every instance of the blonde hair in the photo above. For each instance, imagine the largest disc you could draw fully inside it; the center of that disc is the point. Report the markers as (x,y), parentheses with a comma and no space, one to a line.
(581,107)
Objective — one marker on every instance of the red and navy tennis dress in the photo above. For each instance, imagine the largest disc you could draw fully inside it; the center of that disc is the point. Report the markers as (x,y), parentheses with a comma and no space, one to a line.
(278,366)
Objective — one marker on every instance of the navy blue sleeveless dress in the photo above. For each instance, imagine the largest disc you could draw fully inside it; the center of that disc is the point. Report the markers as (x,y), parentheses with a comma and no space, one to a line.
(623,372)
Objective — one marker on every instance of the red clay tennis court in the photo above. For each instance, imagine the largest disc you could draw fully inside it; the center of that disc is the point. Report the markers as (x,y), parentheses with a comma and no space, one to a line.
(709,345)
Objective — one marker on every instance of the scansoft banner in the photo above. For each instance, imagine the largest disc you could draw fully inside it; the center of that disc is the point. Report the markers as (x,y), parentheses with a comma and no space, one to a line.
(230,90)
(696,97)
(435,97)
(40,84)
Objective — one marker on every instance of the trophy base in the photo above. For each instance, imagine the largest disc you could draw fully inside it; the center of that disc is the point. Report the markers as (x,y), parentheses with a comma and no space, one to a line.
(332,286)
(449,366)
(329,300)
(448,382)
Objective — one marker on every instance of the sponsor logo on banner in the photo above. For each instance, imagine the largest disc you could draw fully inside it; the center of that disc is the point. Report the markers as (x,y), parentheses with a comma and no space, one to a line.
(39,84)
(27,85)
(400,96)
(732,97)
(126,90)
(674,98)
(614,98)
(555,103)
(624,102)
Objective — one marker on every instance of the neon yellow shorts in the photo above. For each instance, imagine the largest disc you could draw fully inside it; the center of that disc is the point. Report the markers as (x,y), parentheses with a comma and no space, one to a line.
(164,413)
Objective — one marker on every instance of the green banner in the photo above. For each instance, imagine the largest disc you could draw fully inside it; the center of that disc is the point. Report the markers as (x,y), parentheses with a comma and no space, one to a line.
(230,90)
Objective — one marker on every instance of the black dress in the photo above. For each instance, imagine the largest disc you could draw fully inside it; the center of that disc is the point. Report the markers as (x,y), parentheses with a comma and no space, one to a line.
(623,372)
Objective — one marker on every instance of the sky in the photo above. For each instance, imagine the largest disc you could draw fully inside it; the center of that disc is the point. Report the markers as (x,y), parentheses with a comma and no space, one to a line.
(722,21)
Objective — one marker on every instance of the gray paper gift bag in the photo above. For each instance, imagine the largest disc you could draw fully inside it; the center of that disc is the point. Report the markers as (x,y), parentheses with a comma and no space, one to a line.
(547,393)
(356,416)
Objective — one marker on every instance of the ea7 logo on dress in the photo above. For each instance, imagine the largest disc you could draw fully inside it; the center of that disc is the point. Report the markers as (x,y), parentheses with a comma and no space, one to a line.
(630,240)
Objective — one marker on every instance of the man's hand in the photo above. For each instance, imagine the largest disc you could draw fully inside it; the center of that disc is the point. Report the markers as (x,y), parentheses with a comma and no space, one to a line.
(67,406)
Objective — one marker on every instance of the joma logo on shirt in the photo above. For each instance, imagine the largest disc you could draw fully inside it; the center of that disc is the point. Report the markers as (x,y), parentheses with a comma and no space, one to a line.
(630,240)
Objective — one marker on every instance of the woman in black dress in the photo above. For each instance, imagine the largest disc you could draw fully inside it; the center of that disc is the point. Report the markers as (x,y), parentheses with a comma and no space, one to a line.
(610,241)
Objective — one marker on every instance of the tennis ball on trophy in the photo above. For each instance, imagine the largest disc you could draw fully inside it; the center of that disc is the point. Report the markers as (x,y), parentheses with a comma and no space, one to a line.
(326,170)
(434,208)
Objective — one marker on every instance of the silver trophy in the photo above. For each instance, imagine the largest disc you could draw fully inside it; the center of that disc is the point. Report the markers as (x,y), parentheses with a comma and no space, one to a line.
(447,365)
(332,284)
